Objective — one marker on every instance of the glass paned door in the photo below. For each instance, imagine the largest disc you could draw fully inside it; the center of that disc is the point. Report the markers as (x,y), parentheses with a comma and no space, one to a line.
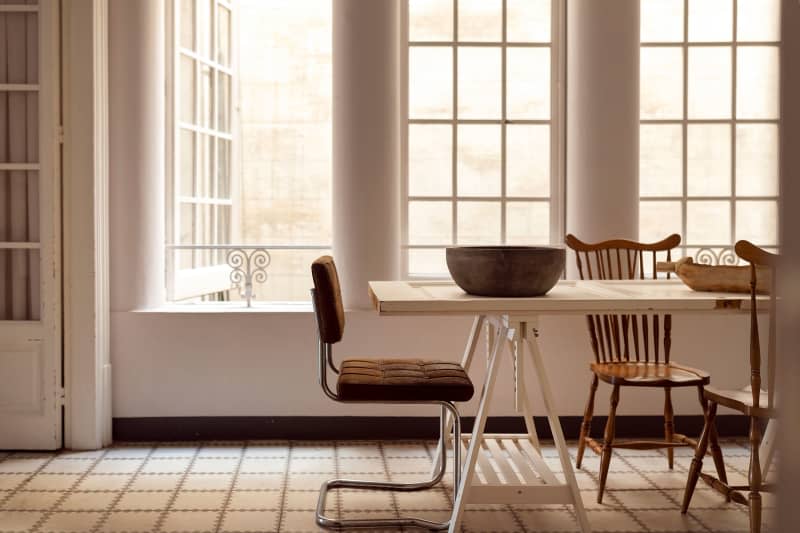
(30,323)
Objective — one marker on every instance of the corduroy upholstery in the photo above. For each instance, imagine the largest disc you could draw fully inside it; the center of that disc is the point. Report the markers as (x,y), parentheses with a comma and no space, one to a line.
(328,301)
(403,380)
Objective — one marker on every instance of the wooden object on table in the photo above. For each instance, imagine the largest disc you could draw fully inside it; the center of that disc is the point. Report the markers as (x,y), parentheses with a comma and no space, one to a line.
(753,401)
(623,353)
(716,278)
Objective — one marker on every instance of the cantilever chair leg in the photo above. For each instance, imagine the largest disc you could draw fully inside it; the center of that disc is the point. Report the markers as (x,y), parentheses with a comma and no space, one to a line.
(331,523)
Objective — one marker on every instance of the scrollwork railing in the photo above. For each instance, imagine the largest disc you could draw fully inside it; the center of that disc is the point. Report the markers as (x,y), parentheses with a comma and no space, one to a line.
(248,263)
(716,256)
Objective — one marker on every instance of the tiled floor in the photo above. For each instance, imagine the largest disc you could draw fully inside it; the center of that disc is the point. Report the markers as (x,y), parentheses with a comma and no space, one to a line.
(272,486)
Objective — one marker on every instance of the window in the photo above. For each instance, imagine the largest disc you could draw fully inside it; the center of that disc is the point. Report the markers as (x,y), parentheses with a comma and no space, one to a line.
(251,201)
(483,163)
(709,122)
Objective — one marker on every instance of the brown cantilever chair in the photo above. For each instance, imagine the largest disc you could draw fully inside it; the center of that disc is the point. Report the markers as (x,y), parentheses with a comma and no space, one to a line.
(391,381)
(627,350)
(752,401)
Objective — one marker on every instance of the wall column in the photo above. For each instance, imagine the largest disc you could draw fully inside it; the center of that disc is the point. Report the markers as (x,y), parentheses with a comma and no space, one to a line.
(137,137)
(366,144)
(603,120)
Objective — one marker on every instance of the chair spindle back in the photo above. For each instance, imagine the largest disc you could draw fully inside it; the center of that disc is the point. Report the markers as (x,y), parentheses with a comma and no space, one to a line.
(624,338)
(760,259)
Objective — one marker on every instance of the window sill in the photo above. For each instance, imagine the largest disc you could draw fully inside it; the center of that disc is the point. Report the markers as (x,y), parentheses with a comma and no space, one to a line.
(226,308)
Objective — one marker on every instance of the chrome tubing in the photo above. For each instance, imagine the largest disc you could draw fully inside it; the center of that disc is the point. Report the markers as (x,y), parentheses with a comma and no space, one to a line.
(330,523)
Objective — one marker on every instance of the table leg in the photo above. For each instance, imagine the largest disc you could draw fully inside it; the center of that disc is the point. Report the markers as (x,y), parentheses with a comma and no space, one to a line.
(468,472)
(466,361)
(522,400)
(555,424)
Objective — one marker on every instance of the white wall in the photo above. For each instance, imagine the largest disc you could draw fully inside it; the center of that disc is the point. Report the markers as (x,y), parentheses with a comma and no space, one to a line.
(264,364)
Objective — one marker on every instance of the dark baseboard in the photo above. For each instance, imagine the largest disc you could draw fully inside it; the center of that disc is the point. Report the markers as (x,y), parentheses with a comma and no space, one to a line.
(201,428)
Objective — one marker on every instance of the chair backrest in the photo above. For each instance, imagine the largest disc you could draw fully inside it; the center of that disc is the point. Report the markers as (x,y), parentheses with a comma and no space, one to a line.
(624,338)
(761,260)
(327,302)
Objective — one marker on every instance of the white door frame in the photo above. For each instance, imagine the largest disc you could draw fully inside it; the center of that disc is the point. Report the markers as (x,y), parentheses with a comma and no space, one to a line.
(87,364)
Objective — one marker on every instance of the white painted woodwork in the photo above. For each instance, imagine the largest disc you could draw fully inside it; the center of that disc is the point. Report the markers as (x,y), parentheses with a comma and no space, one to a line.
(30,350)
(86,289)
(366,144)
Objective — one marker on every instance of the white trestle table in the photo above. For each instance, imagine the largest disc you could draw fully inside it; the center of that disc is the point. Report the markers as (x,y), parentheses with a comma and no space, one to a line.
(509,468)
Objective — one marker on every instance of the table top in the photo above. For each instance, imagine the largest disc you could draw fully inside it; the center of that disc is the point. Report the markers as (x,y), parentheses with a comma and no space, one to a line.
(567,297)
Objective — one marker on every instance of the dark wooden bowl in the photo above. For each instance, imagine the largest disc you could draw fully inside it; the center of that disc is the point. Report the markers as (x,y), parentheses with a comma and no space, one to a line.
(506,271)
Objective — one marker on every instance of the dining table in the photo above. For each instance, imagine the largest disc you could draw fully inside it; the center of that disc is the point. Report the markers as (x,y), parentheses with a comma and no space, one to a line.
(510,468)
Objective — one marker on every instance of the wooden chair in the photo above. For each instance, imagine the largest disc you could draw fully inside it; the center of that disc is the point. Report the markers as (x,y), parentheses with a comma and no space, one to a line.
(388,381)
(752,401)
(624,355)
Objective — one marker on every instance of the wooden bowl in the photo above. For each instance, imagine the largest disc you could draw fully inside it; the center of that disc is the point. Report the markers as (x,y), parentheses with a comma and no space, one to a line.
(506,271)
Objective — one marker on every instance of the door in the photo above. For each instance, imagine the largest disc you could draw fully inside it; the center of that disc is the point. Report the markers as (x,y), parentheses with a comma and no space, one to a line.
(31,393)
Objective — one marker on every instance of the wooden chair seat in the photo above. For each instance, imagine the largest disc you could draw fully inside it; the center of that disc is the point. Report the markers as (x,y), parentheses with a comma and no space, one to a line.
(633,374)
(742,401)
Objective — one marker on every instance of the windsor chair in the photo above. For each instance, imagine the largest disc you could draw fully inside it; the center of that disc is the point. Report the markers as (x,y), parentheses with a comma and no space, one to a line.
(752,401)
(628,350)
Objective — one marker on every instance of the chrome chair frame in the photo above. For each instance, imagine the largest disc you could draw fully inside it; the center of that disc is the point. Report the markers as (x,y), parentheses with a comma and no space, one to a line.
(325,361)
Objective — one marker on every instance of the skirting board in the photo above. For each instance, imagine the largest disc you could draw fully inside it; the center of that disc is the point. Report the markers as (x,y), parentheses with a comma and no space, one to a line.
(199,428)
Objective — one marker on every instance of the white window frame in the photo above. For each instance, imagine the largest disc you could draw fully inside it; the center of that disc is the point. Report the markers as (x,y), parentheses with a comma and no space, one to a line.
(557,199)
(717,249)
(185,283)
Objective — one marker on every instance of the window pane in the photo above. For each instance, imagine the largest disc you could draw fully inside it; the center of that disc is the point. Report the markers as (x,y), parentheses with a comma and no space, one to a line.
(206,92)
(660,160)
(430,20)
(187,24)
(528,20)
(187,221)
(223,103)
(430,82)
(708,159)
(708,222)
(710,20)
(204,10)
(203,184)
(430,160)
(657,219)
(224,35)
(757,159)
(478,223)
(527,223)
(527,160)
(662,82)
(480,20)
(186,169)
(758,20)
(478,160)
(757,82)
(430,222)
(186,89)
(757,222)
(223,168)
(528,83)
(427,261)
(710,82)
(479,83)
(661,21)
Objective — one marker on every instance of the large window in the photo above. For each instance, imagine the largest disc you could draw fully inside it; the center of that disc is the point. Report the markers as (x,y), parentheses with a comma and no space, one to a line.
(709,121)
(250,116)
(483,160)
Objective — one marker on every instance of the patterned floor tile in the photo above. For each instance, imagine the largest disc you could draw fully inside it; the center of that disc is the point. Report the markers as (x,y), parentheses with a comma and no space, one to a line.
(194,521)
(72,522)
(130,522)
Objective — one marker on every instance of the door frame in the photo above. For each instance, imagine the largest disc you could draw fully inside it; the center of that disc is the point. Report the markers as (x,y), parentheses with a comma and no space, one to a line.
(87,364)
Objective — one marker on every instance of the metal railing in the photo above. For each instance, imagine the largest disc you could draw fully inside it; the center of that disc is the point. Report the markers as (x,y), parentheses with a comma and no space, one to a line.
(248,262)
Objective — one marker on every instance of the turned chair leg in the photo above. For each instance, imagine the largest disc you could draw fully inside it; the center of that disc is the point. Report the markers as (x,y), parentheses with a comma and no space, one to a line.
(608,443)
(669,425)
(716,450)
(697,462)
(754,499)
(586,425)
